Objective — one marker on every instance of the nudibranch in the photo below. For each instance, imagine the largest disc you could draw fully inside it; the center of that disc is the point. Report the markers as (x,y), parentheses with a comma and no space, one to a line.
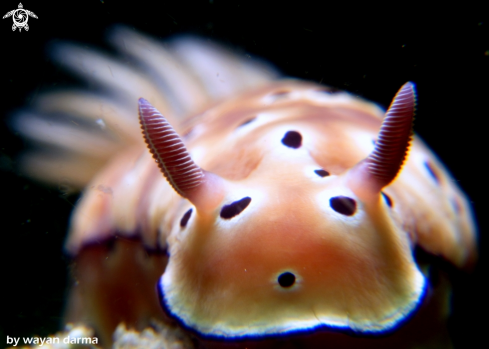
(284,206)
(284,249)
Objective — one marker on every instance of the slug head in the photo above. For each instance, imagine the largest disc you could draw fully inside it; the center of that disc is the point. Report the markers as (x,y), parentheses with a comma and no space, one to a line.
(263,258)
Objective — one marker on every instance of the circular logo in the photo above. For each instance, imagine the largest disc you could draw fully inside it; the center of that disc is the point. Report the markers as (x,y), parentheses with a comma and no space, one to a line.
(20,17)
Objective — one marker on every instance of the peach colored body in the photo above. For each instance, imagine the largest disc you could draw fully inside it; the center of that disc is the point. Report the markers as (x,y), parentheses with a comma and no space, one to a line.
(354,273)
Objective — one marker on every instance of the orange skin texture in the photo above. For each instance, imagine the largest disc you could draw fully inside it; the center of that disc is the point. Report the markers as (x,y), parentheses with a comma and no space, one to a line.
(289,231)
(219,276)
(339,271)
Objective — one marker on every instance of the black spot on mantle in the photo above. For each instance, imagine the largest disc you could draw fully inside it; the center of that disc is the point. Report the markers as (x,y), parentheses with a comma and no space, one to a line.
(185,218)
(322,173)
(235,208)
(344,205)
(286,279)
(292,139)
(387,198)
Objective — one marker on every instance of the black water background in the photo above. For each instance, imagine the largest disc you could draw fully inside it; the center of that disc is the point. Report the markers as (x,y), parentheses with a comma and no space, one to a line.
(369,51)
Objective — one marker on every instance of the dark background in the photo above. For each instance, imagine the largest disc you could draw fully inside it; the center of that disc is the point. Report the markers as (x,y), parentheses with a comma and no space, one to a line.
(366,50)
